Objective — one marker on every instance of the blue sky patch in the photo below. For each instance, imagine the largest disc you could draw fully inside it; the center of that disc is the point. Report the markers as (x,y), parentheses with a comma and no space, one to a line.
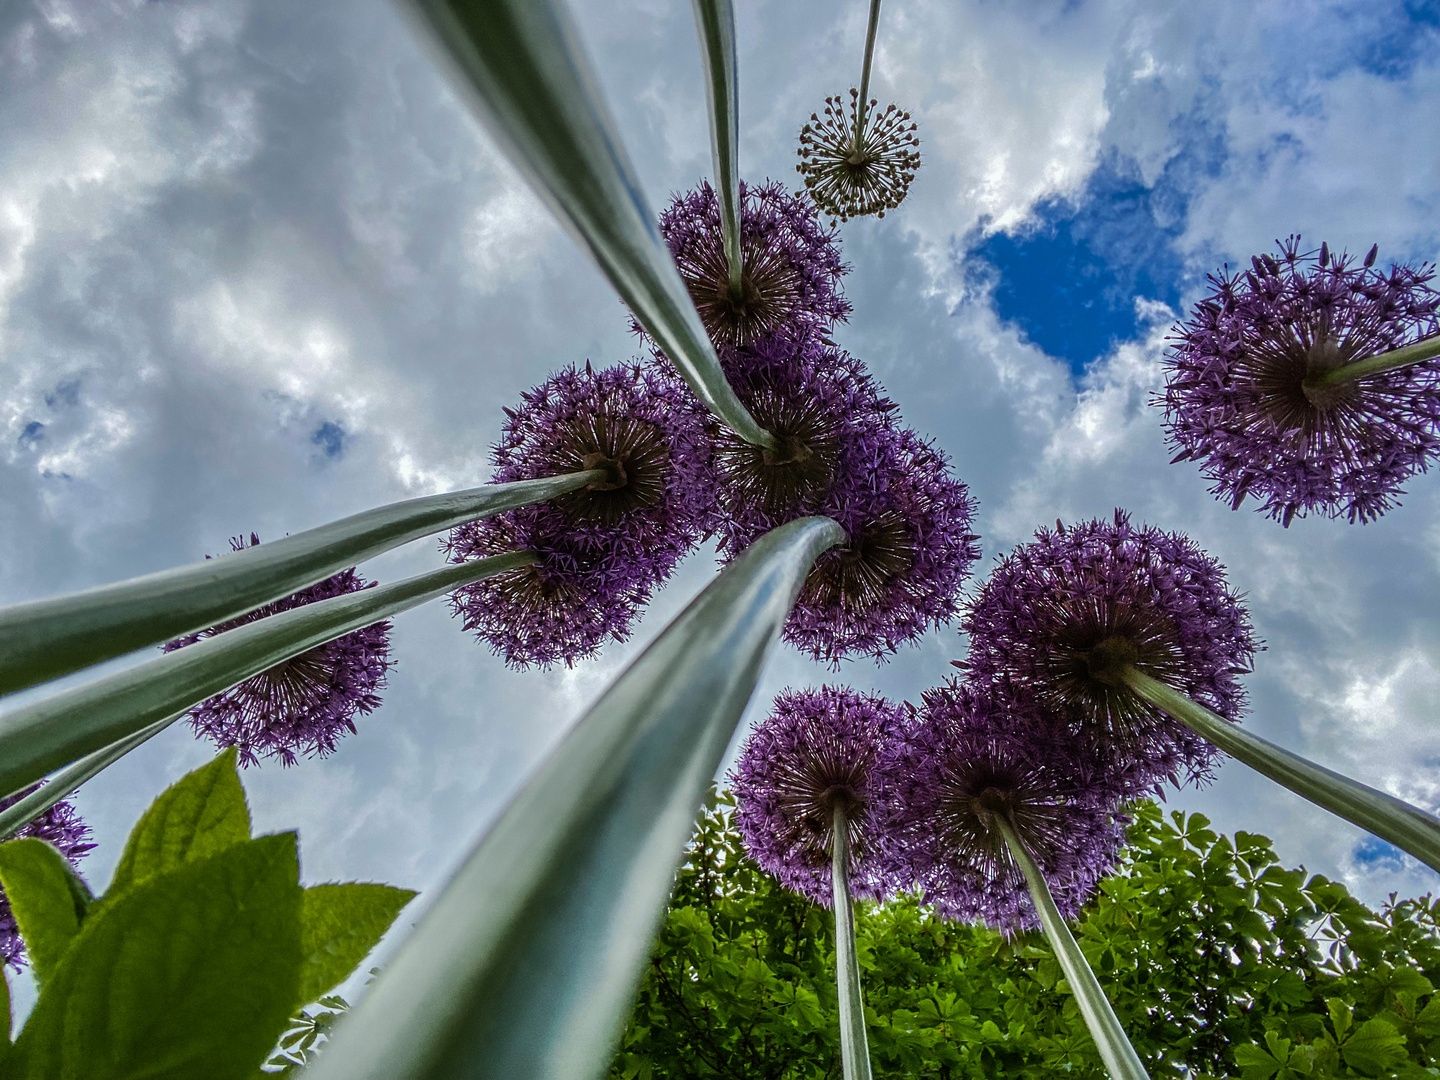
(1374,852)
(330,438)
(33,433)
(1069,279)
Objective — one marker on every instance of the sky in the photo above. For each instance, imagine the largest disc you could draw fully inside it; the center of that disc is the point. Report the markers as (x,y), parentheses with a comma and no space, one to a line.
(260,269)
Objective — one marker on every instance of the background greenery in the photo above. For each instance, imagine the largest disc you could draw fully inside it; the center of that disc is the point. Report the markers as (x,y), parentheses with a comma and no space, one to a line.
(1220,962)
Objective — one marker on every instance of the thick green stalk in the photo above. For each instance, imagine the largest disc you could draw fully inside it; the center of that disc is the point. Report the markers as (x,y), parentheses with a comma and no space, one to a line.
(1405,356)
(521,66)
(854,1046)
(526,965)
(61,729)
(49,638)
(715,20)
(64,783)
(864,103)
(1121,1061)
(1407,827)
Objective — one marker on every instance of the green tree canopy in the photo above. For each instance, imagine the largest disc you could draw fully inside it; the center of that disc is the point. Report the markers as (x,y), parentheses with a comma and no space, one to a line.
(1219,961)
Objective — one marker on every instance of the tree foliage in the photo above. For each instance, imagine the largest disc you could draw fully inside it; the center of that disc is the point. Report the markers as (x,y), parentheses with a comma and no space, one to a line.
(1220,963)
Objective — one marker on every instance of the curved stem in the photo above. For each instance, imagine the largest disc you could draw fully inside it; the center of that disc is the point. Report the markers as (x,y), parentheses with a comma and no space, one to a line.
(526,964)
(715,20)
(519,62)
(1121,1061)
(864,103)
(1407,827)
(45,639)
(854,1048)
(64,783)
(1405,356)
(67,726)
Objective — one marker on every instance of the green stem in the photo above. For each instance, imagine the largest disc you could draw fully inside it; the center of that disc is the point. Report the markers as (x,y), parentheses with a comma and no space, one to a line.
(1407,827)
(45,639)
(64,783)
(526,964)
(1121,1061)
(854,1048)
(864,103)
(61,729)
(716,21)
(520,64)
(1405,356)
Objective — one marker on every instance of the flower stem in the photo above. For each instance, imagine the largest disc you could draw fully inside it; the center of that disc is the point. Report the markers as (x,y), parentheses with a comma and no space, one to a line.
(864,102)
(854,1048)
(72,724)
(1407,827)
(715,20)
(64,783)
(520,65)
(1405,356)
(45,639)
(1119,1056)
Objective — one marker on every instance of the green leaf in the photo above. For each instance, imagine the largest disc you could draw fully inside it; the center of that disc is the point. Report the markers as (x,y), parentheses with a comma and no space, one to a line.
(55,731)
(1255,1063)
(47,897)
(1374,1047)
(6,1016)
(198,816)
(191,974)
(48,638)
(339,925)
(530,956)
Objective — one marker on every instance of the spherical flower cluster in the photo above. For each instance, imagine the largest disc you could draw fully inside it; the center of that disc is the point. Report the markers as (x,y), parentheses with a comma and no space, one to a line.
(1242,399)
(60,826)
(1062,616)
(909,554)
(977,756)
(601,550)
(817,750)
(792,266)
(307,703)
(846,181)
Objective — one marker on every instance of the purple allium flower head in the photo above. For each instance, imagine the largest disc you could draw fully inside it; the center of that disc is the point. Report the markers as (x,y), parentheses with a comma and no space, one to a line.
(1059,615)
(909,553)
(1237,398)
(834,431)
(845,184)
(603,549)
(306,704)
(792,265)
(978,753)
(816,750)
(60,826)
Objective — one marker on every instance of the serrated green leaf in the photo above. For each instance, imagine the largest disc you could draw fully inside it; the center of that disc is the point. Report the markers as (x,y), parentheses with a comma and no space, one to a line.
(339,925)
(1373,1047)
(190,974)
(47,897)
(198,816)
(1255,1063)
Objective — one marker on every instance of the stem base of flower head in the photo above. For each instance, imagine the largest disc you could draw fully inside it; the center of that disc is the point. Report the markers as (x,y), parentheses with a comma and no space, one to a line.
(1393,820)
(1415,353)
(1107,661)
(854,1045)
(1121,1061)
(612,470)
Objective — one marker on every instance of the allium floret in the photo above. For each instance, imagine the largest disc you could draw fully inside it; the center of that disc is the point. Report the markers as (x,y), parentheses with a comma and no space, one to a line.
(1060,615)
(815,751)
(601,550)
(792,265)
(846,182)
(59,826)
(977,754)
(308,703)
(1239,397)
(909,554)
